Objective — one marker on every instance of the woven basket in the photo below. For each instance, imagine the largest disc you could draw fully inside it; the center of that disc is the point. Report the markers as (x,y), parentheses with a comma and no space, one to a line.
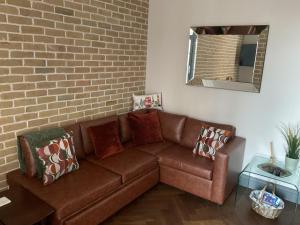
(263,209)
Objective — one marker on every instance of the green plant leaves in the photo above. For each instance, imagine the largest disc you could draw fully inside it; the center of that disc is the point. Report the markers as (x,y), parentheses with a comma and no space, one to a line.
(291,135)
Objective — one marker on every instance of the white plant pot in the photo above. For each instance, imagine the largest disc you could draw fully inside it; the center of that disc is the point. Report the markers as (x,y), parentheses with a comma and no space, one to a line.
(291,164)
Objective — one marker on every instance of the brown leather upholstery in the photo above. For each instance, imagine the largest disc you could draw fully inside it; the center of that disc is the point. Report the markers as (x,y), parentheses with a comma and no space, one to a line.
(75,129)
(28,157)
(192,129)
(29,160)
(155,148)
(227,167)
(125,134)
(73,191)
(185,181)
(100,188)
(171,126)
(128,145)
(87,144)
(130,164)
(100,211)
(191,132)
(182,158)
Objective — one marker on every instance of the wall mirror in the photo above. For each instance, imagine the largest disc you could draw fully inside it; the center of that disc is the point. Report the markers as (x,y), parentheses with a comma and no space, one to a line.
(227,57)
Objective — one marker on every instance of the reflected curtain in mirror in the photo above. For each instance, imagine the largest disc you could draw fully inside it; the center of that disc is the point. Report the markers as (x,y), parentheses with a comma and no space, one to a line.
(228,57)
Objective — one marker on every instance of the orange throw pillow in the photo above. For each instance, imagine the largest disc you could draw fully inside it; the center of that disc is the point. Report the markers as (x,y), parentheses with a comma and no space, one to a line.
(105,139)
(145,127)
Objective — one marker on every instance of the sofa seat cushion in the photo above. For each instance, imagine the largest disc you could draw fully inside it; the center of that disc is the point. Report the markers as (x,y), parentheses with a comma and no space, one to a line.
(155,148)
(182,158)
(75,190)
(130,164)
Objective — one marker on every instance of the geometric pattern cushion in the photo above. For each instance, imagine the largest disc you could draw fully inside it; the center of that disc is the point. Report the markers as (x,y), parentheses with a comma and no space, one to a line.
(58,158)
(211,140)
(147,101)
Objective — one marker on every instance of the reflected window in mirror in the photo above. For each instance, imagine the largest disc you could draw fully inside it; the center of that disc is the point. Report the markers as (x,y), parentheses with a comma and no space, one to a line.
(228,57)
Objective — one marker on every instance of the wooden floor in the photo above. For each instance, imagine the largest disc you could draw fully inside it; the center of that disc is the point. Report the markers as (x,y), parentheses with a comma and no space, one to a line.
(165,205)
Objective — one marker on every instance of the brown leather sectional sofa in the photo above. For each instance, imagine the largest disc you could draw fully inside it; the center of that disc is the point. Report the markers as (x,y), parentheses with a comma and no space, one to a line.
(101,187)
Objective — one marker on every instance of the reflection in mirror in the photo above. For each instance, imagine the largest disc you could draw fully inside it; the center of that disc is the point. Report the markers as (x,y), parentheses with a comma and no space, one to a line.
(228,57)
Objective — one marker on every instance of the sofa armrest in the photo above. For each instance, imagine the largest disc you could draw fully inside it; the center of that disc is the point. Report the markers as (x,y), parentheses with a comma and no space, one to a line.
(227,166)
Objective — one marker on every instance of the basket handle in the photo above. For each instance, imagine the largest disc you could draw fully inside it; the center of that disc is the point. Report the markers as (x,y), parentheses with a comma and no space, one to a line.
(261,194)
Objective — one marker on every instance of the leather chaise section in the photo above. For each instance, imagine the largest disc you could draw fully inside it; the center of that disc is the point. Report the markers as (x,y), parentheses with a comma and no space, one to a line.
(102,210)
(74,190)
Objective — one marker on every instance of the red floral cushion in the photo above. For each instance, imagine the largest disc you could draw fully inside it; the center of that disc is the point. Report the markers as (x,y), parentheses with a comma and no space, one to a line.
(105,139)
(210,141)
(147,101)
(145,127)
(58,158)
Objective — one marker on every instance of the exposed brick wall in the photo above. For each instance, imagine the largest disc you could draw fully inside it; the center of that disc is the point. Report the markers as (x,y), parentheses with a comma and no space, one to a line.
(65,61)
(260,58)
(217,57)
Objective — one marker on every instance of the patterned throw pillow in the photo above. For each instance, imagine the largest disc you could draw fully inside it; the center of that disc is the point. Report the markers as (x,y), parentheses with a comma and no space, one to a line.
(211,140)
(147,101)
(58,158)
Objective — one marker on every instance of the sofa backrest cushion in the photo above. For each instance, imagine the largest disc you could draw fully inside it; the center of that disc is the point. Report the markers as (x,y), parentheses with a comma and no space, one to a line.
(171,126)
(87,143)
(125,133)
(191,132)
(77,139)
(192,129)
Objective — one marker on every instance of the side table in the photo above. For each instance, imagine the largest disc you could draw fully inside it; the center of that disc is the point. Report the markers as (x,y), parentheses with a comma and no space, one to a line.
(253,170)
(24,209)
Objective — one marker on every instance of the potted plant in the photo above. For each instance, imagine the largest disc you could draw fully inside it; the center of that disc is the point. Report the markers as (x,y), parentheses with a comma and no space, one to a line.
(291,135)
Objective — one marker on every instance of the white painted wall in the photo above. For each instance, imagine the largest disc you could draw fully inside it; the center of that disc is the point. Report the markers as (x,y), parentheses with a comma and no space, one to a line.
(256,116)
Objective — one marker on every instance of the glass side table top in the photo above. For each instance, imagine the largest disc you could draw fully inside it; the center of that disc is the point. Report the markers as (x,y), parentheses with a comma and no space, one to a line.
(252,168)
